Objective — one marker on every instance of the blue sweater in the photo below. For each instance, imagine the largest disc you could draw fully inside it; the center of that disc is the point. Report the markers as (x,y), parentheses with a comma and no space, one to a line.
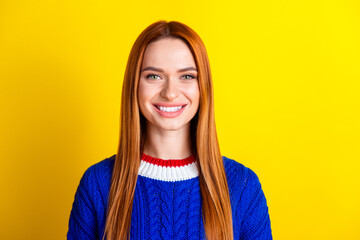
(168,207)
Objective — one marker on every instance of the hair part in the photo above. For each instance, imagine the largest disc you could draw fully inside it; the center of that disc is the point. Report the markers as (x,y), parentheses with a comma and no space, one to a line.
(216,207)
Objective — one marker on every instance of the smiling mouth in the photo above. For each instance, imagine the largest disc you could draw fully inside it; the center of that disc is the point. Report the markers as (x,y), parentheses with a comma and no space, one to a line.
(170,109)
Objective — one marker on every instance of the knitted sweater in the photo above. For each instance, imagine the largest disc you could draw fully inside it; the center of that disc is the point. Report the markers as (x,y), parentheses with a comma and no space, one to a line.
(167,201)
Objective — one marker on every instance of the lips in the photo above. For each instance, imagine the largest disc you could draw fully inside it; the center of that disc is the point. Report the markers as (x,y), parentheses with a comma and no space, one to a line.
(163,106)
(169,104)
(169,114)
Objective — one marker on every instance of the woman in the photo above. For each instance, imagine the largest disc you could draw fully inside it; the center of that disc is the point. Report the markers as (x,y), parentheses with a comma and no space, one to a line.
(168,179)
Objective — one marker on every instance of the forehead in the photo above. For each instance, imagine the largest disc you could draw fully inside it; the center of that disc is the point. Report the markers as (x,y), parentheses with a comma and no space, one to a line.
(168,53)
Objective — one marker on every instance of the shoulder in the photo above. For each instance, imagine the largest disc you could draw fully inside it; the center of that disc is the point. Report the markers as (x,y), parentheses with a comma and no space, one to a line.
(248,202)
(98,175)
(89,206)
(102,167)
(237,170)
(241,179)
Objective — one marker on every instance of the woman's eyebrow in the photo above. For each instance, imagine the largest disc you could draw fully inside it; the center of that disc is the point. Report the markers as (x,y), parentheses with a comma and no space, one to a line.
(161,70)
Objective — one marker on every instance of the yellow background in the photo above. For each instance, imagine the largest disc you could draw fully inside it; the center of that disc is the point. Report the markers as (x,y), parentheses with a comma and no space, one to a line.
(286,78)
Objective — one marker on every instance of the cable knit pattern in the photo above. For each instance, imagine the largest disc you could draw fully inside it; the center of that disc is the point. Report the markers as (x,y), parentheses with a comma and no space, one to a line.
(151,193)
(167,202)
(194,221)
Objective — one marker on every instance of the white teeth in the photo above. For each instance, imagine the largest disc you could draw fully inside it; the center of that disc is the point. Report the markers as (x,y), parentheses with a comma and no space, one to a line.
(170,109)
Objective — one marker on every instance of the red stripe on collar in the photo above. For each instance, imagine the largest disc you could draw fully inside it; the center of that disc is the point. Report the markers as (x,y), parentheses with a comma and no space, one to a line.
(170,162)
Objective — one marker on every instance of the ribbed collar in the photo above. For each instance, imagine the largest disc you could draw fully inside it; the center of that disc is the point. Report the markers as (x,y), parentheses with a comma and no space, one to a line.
(168,170)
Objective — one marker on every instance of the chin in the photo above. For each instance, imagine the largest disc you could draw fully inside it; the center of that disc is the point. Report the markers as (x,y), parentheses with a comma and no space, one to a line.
(171,128)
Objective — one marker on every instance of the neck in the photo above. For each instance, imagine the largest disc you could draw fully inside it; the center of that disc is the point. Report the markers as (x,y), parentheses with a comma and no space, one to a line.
(167,144)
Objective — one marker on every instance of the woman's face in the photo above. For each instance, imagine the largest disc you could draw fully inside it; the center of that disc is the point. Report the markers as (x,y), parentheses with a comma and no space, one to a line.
(168,87)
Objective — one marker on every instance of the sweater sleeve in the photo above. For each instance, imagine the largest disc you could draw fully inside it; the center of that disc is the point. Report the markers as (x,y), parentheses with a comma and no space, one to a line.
(256,221)
(82,222)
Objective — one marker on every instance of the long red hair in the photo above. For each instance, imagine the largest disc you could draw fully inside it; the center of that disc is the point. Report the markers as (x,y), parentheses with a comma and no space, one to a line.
(216,208)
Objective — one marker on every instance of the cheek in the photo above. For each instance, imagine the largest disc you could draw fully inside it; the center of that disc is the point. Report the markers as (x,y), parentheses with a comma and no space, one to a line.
(142,96)
(193,94)
(146,92)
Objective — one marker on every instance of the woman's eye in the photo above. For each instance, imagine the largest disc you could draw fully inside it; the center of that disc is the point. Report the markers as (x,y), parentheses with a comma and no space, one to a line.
(188,76)
(152,76)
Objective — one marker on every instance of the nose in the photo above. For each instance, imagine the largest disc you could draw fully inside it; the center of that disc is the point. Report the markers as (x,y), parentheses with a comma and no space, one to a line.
(170,90)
